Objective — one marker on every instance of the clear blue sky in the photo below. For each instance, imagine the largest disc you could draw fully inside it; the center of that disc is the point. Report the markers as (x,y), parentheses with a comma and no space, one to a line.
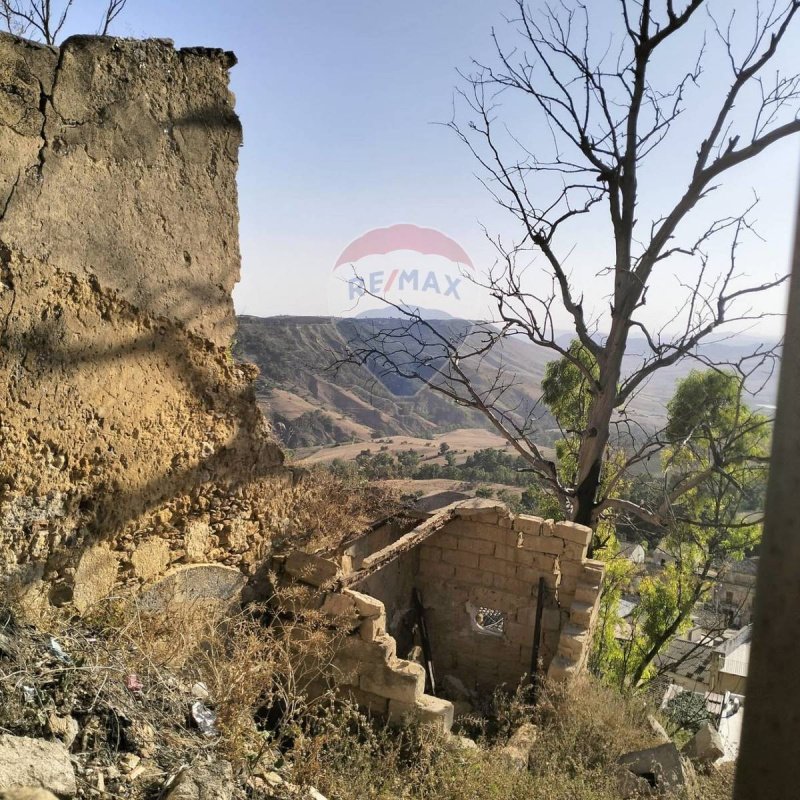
(338,102)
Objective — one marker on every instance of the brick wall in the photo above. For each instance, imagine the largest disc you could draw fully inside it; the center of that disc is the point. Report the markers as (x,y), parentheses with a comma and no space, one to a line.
(487,558)
(484,558)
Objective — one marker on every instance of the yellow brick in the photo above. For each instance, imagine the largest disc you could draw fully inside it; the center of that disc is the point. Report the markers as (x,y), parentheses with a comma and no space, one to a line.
(513,586)
(476,577)
(479,546)
(446,540)
(471,530)
(505,552)
(543,544)
(436,569)
(522,634)
(527,574)
(497,567)
(572,532)
(430,553)
(528,524)
(460,558)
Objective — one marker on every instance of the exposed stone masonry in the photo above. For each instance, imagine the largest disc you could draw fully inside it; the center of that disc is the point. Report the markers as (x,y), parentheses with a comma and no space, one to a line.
(129,440)
(485,558)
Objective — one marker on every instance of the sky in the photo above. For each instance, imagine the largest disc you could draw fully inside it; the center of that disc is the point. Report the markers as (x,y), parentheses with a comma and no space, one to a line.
(341,104)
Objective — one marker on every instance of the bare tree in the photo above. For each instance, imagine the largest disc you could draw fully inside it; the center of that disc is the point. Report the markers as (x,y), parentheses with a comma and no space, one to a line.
(45,20)
(608,114)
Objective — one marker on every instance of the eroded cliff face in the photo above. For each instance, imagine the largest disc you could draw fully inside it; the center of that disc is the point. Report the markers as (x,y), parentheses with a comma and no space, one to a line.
(129,440)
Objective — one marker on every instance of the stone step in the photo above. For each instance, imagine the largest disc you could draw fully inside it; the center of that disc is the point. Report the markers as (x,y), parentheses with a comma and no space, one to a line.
(428,710)
(562,668)
(580,613)
(586,592)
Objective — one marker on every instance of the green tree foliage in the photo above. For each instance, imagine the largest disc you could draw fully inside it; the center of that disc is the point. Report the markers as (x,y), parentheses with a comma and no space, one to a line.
(717,456)
(687,712)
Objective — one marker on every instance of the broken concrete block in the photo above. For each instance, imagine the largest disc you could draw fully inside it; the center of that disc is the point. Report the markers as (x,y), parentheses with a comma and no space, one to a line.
(338,605)
(372,702)
(26,762)
(346,670)
(706,746)
(661,766)
(401,680)
(630,786)
(212,587)
(370,629)
(379,651)
(202,781)
(27,794)
(428,710)
(562,668)
(465,743)
(310,569)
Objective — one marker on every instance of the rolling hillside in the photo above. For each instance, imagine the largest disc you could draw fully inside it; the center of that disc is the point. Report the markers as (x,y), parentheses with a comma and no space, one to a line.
(312,405)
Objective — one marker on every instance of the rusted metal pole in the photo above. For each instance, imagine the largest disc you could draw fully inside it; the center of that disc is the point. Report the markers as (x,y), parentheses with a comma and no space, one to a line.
(426,641)
(770,748)
(537,635)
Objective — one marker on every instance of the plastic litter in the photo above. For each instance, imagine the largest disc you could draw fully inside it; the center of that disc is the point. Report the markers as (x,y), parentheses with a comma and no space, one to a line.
(58,651)
(200,691)
(133,684)
(204,718)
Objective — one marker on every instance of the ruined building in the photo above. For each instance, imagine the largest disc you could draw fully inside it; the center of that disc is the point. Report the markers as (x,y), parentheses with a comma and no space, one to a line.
(498,595)
(131,447)
(127,433)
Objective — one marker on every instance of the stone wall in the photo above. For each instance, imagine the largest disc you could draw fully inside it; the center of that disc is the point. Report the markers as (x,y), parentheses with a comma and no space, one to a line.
(483,559)
(488,559)
(366,667)
(129,439)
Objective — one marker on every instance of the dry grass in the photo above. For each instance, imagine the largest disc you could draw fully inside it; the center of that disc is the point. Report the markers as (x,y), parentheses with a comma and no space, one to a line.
(581,733)
(716,783)
(322,511)
(130,678)
(261,670)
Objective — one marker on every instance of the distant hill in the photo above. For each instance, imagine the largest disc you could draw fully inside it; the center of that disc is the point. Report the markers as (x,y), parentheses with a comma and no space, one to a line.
(310,404)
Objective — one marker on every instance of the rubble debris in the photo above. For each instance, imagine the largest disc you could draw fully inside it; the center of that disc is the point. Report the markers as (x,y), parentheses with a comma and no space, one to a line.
(26,762)
(518,748)
(65,728)
(658,729)
(706,746)
(58,651)
(203,781)
(630,786)
(204,718)
(662,767)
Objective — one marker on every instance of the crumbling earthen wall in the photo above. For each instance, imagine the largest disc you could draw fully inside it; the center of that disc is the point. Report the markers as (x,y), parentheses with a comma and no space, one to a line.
(129,440)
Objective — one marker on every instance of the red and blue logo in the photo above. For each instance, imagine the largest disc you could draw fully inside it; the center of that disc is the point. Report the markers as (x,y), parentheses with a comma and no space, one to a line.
(405,266)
